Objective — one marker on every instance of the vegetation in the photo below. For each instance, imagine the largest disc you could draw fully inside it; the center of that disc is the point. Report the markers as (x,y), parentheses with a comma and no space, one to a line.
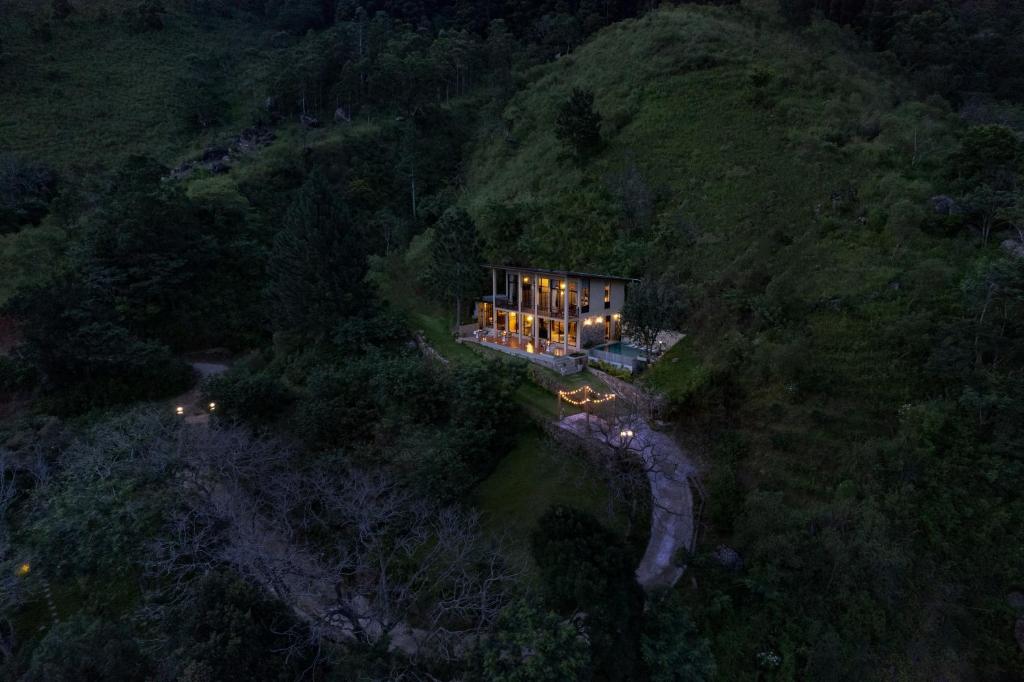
(831,191)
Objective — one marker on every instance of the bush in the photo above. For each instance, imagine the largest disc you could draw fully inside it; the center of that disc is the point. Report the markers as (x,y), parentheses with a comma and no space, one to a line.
(250,397)
(85,648)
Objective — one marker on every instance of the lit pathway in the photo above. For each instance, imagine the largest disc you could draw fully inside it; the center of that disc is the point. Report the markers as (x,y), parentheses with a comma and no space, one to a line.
(668,469)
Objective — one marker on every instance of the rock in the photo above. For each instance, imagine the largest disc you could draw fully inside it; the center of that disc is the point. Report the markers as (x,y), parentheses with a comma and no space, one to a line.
(183,170)
(214,154)
(341,116)
(1013,247)
(1018,633)
(944,205)
(1015,600)
(307,121)
(218,167)
(728,558)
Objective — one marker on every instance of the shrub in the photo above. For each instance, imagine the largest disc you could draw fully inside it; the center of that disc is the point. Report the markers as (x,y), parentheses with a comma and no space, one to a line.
(251,397)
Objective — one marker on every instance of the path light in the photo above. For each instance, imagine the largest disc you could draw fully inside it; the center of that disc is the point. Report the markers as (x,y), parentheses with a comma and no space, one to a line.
(179,409)
(24,569)
(213,406)
(626,434)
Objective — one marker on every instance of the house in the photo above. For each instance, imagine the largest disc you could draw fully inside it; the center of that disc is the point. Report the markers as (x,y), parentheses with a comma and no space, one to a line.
(553,312)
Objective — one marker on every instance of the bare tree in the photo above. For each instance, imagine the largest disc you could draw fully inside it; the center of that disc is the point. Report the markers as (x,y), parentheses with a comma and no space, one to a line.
(362,560)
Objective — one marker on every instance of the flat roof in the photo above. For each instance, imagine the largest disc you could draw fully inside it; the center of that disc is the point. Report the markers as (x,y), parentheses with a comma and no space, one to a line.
(560,273)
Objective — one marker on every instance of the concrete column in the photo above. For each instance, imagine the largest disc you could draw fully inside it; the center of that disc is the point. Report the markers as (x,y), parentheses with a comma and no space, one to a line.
(494,300)
(565,317)
(535,326)
(519,306)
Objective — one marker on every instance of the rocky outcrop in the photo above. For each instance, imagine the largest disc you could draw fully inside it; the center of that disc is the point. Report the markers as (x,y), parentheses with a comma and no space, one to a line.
(219,158)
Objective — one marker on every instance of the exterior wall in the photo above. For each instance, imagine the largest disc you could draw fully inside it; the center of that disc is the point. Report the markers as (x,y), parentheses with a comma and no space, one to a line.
(588,335)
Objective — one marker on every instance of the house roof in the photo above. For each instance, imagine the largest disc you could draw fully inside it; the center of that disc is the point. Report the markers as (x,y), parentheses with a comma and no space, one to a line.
(560,273)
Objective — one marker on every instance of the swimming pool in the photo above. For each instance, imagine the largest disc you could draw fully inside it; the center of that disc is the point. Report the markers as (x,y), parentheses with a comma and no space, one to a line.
(619,348)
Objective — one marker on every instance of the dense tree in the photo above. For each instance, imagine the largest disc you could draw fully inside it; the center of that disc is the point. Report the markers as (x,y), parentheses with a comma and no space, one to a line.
(578,125)
(653,305)
(455,262)
(87,648)
(531,645)
(585,567)
(672,648)
(223,628)
(318,264)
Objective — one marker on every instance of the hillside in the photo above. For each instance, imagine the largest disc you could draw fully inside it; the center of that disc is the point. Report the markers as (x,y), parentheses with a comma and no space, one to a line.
(91,89)
(783,180)
(820,197)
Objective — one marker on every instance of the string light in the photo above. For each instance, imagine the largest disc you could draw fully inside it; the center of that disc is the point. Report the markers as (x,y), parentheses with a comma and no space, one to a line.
(567,396)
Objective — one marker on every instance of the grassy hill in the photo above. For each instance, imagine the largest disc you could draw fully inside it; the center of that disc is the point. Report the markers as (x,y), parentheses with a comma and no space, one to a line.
(782,178)
(88,90)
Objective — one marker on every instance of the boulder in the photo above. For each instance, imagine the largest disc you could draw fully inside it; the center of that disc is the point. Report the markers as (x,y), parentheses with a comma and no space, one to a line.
(342,116)
(728,558)
(944,205)
(1013,247)
(1015,600)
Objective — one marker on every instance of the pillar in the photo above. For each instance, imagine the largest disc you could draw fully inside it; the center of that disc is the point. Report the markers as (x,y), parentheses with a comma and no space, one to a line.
(494,301)
(565,317)
(519,308)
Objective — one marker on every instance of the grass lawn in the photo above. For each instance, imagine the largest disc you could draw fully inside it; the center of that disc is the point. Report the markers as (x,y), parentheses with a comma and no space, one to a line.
(533,477)
(678,373)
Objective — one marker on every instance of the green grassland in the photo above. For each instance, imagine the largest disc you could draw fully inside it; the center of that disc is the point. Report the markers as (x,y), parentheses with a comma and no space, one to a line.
(95,92)
(534,476)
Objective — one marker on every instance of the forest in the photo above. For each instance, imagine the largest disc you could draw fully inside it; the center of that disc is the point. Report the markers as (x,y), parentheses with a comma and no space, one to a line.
(238,440)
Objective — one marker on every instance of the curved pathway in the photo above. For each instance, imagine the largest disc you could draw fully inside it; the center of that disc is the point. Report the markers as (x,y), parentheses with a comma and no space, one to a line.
(668,470)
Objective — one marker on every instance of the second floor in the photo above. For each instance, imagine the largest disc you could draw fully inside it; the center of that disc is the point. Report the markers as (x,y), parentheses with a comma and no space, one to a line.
(556,293)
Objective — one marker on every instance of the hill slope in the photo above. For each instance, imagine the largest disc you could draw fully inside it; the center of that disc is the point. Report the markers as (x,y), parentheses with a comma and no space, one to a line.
(91,90)
(783,180)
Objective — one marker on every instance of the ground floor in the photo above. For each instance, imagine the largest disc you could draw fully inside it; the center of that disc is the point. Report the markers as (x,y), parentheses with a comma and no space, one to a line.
(535,332)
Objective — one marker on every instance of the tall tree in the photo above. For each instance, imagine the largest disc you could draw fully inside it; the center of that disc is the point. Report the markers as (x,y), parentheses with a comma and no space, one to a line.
(653,305)
(318,264)
(578,125)
(455,270)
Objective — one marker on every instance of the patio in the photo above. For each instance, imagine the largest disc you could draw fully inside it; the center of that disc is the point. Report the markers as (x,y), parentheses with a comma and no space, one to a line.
(550,355)
(513,342)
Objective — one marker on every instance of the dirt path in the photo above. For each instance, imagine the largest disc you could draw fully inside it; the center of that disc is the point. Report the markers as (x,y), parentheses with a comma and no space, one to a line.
(189,400)
(668,470)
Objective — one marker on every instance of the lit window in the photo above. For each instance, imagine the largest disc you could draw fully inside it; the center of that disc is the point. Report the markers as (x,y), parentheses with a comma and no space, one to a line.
(607,295)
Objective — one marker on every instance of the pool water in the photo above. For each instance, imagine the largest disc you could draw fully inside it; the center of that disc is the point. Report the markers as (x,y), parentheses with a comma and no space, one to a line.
(620,348)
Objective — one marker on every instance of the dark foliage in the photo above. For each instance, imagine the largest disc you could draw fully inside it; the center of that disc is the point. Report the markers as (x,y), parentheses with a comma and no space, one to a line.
(25,192)
(578,125)
(585,567)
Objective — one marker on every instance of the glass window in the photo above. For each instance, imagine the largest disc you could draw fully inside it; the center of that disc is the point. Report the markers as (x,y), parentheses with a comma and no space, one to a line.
(607,295)
(585,296)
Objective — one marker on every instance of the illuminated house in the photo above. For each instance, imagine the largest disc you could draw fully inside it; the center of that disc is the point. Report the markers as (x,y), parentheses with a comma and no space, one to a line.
(555,312)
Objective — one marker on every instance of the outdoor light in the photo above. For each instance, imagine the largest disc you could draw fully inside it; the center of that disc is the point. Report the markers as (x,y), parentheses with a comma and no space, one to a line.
(179,409)
(24,569)
(213,406)
(626,434)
